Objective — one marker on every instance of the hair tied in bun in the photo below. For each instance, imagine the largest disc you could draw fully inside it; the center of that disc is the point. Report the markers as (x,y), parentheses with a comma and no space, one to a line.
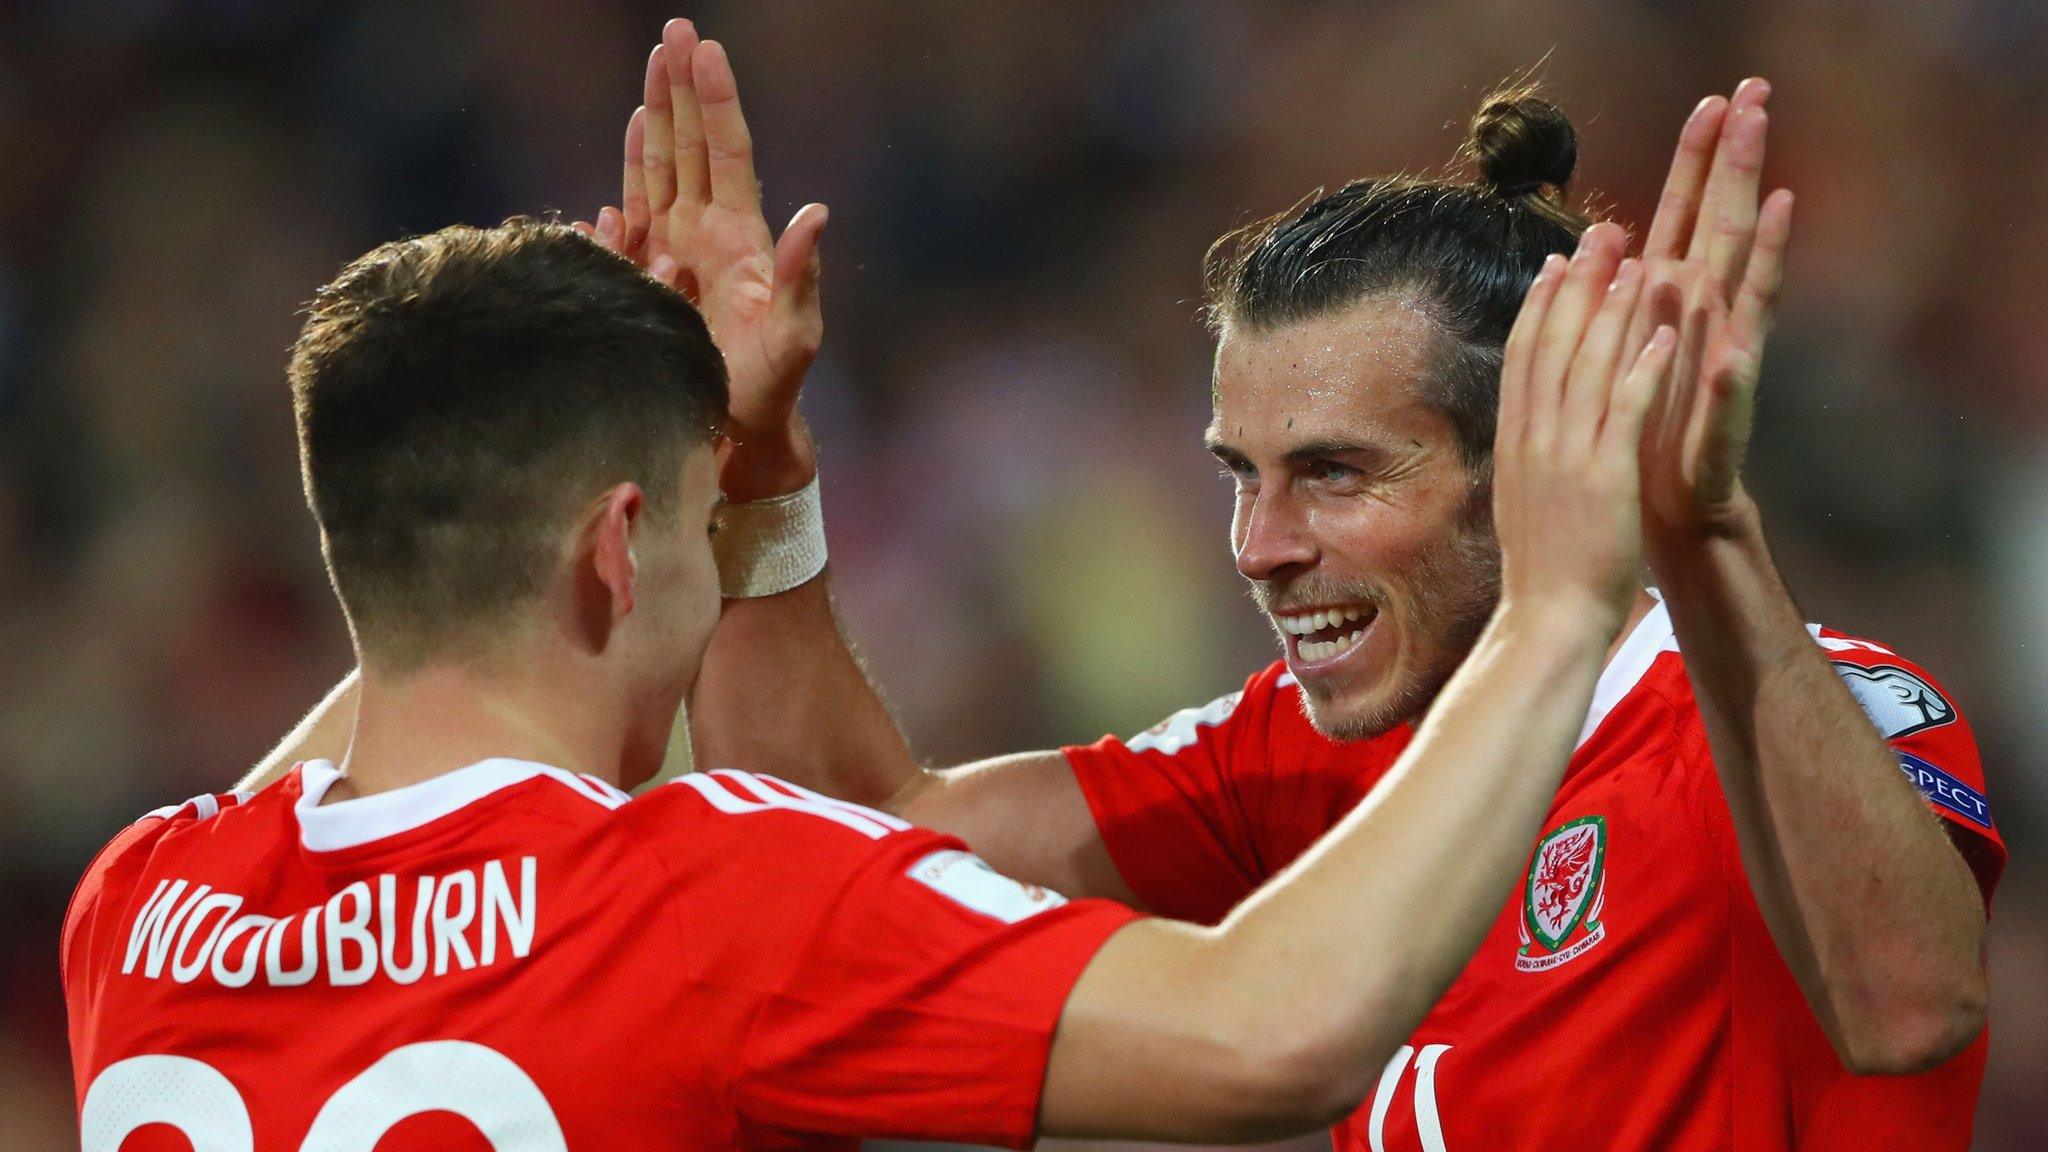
(1521,143)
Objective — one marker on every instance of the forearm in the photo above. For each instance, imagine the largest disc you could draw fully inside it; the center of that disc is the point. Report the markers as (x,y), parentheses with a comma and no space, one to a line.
(1357,939)
(322,735)
(1870,903)
(782,693)
(780,690)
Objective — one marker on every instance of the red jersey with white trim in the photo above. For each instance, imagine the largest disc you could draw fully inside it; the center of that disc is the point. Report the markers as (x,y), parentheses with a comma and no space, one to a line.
(1629,996)
(516,958)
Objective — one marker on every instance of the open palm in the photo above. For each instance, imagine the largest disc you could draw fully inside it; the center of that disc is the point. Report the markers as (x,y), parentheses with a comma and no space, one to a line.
(691,215)
(1717,254)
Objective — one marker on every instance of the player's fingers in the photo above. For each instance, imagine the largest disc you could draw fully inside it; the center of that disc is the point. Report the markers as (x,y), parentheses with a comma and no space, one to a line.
(1756,303)
(1520,353)
(665,270)
(1665,292)
(584,227)
(693,176)
(1688,400)
(610,229)
(1638,393)
(729,148)
(657,152)
(1594,371)
(1678,205)
(1584,287)
(796,255)
(633,195)
(1727,219)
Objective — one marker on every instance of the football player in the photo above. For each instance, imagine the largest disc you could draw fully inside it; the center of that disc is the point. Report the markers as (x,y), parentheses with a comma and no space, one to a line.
(1767,872)
(1784,914)
(465,928)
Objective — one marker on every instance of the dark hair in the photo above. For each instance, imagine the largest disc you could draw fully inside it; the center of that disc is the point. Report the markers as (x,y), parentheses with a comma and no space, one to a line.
(1465,252)
(460,396)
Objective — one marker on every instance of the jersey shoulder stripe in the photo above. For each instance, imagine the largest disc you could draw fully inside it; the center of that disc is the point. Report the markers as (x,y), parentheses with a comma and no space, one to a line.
(204,806)
(737,793)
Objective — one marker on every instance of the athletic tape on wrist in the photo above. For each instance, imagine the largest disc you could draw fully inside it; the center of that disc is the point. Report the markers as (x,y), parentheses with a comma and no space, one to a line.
(768,546)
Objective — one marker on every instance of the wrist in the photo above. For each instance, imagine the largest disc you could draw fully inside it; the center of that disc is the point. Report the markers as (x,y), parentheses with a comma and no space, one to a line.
(1570,624)
(762,467)
(1737,520)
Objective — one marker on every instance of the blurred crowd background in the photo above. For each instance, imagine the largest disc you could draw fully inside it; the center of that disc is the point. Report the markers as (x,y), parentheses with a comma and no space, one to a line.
(1029,540)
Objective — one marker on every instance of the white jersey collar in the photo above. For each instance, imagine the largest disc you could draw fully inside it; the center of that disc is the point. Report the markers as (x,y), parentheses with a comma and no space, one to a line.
(1651,638)
(352,823)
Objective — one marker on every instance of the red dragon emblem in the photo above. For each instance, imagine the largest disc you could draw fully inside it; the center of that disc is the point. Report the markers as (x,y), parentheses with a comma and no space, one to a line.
(1564,881)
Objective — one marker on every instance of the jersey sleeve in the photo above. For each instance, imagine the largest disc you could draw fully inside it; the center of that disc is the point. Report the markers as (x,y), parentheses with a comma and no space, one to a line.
(1932,739)
(920,996)
(1168,806)
(1207,805)
(91,941)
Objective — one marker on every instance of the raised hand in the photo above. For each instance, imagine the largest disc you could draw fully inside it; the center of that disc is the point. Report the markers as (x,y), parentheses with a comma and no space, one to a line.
(1715,245)
(1566,494)
(691,215)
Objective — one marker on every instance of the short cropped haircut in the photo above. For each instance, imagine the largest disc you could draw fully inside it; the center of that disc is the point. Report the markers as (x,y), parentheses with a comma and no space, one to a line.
(460,397)
(1464,252)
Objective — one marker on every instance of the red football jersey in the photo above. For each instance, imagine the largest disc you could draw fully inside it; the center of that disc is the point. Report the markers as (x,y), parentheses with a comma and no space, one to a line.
(1629,995)
(518,958)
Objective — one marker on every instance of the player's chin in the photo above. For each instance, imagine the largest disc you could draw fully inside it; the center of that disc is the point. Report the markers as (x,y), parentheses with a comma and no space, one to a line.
(1356,696)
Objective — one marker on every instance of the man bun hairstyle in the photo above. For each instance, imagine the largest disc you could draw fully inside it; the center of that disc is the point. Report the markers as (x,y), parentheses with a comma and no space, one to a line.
(1463,251)
(461,398)
(1522,144)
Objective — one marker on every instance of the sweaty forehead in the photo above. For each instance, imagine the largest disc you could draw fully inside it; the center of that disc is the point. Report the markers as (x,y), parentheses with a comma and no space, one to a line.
(1353,371)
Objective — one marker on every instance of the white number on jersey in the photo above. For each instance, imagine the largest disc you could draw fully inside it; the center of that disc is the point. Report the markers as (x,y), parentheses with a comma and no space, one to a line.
(474,1082)
(1429,1126)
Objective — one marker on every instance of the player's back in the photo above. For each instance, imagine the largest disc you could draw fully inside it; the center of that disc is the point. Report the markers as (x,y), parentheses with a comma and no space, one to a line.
(510,948)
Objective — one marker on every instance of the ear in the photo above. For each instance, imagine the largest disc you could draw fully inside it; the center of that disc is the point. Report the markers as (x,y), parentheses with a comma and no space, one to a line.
(610,572)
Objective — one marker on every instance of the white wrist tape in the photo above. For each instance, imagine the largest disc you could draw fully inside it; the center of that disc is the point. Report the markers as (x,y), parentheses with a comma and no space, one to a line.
(768,546)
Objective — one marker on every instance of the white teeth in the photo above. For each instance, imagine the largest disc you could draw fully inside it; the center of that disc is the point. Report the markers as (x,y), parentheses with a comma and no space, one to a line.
(1304,625)
(1315,652)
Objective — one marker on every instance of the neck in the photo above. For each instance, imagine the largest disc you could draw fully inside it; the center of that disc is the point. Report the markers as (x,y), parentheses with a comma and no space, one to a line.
(1643,605)
(441,718)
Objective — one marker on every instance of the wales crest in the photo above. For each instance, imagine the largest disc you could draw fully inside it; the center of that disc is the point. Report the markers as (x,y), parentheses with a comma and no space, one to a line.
(1562,898)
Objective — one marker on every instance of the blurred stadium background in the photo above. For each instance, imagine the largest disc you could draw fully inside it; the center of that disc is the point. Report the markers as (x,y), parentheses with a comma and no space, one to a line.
(1029,540)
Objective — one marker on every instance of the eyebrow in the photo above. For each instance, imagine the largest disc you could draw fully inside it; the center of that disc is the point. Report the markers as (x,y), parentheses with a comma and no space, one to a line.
(1312,450)
(1327,447)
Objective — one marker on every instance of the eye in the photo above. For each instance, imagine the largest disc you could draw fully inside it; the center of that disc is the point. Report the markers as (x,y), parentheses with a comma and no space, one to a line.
(1333,472)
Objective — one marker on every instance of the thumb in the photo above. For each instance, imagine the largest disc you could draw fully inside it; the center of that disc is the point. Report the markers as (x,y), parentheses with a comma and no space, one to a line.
(797,266)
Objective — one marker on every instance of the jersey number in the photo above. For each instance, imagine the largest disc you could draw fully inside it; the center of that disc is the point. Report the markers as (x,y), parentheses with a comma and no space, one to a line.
(474,1082)
(1429,1127)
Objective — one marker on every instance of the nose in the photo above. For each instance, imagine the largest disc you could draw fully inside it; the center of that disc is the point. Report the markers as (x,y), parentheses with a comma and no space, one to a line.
(1272,536)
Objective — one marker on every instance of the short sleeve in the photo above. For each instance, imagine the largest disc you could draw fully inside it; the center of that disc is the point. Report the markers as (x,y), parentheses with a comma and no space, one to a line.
(1207,805)
(921,1003)
(1166,803)
(1936,749)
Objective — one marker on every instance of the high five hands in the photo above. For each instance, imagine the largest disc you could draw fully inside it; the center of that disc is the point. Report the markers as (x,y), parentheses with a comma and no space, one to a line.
(1573,401)
(1658,357)
(1716,255)
(691,216)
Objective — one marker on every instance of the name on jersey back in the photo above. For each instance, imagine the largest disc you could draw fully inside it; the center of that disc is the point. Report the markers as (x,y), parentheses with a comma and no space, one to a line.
(405,927)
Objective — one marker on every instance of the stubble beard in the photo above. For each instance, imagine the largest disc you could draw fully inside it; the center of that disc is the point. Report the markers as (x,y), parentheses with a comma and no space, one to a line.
(1452,595)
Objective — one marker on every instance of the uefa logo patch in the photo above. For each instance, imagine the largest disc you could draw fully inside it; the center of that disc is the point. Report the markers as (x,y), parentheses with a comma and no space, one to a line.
(1563,896)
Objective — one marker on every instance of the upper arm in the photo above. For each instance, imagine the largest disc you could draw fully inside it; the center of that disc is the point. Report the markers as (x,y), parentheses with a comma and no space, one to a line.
(1027,816)
(1160,1040)
(1933,742)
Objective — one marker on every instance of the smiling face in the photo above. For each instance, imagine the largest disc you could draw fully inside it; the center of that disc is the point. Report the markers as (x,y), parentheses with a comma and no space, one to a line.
(1358,523)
